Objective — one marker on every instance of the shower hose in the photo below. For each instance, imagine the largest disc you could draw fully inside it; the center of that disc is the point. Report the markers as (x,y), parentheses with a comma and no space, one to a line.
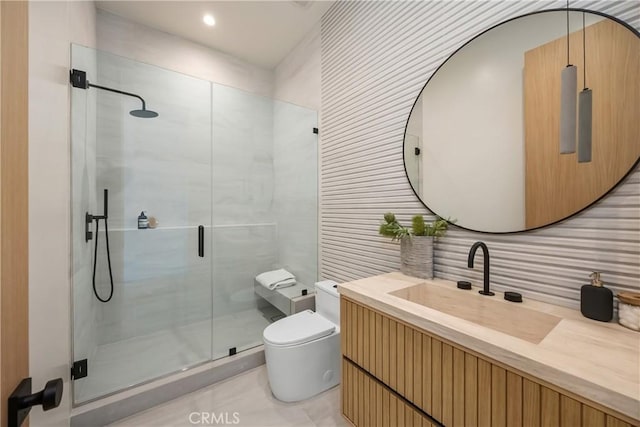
(95,260)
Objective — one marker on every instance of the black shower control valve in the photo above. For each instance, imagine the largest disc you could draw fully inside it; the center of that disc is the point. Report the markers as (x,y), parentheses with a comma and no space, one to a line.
(88,234)
(416,150)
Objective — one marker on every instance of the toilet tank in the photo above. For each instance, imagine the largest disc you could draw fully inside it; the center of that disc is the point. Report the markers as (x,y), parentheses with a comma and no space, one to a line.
(328,301)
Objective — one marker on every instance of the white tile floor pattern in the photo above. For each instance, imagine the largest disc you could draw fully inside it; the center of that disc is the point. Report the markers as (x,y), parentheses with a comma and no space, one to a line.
(244,400)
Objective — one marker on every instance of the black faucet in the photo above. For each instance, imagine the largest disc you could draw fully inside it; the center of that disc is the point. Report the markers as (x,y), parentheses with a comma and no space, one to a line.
(485,253)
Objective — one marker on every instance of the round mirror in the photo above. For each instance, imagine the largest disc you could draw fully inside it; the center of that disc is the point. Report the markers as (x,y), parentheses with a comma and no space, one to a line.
(505,137)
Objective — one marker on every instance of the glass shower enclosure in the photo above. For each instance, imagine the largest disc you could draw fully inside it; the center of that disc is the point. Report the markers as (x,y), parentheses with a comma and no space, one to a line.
(226,182)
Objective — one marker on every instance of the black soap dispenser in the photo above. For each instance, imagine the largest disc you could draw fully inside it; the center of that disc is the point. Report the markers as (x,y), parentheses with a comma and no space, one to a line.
(596,301)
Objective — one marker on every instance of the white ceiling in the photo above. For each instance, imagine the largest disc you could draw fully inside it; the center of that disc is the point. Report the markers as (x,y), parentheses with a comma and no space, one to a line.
(260,32)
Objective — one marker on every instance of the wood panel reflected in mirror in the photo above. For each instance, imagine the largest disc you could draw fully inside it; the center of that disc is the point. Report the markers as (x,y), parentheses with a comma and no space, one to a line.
(482,141)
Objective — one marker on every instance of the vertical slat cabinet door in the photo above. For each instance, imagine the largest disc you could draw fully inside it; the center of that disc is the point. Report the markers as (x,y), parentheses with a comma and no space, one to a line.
(400,413)
(379,406)
(417,366)
(498,396)
(343,324)
(359,398)
(591,417)
(531,406)
(360,334)
(458,387)
(484,393)
(343,388)
(409,369)
(514,400)
(365,396)
(550,407)
(386,352)
(436,379)
(614,422)
(470,390)
(364,330)
(393,410)
(570,411)
(399,350)
(386,408)
(426,374)
(393,364)
(347,393)
(379,343)
(354,331)
(372,342)
(447,384)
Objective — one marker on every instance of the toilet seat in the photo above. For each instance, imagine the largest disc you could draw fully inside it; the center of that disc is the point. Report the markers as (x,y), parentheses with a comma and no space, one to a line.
(298,329)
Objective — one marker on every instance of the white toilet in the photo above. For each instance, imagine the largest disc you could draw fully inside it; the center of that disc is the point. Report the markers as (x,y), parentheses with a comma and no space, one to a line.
(303,350)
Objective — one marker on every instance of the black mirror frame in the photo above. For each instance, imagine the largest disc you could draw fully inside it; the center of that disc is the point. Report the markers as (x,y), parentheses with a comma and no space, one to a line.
(404,163)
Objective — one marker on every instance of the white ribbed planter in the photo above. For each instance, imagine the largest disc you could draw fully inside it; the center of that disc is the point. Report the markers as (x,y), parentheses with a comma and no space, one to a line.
(416,256)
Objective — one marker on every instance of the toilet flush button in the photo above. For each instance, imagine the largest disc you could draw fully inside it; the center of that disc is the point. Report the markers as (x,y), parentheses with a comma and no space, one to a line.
(328,376)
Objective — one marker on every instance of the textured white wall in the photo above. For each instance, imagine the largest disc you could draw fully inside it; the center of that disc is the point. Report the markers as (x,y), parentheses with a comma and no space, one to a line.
(376,56)
(52,27)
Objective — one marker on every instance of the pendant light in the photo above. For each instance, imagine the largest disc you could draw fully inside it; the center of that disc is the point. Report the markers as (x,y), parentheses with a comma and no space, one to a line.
(585,103)
(568,101)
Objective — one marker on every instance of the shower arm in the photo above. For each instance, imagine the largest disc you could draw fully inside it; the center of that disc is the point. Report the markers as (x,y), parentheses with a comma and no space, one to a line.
(144,105)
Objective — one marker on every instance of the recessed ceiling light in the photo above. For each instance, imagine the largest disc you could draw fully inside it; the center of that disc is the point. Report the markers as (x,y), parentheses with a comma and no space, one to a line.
(209,20)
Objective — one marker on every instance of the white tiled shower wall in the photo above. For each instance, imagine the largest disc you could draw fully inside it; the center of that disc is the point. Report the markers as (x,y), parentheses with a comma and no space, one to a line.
(259,219)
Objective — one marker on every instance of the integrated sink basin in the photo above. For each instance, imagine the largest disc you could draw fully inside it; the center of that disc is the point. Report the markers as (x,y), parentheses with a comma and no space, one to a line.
(508,318)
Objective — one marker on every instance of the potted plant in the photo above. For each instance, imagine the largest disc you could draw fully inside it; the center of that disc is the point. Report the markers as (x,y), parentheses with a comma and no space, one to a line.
(416,242)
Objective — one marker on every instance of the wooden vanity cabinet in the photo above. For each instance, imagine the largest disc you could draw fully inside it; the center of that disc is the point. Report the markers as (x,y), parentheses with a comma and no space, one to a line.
(394,374)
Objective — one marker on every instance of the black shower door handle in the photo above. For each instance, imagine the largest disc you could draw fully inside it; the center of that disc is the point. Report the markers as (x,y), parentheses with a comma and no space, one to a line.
(201,241)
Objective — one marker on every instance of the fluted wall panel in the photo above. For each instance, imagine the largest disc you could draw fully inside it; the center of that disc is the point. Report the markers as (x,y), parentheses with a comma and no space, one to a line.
(376,57)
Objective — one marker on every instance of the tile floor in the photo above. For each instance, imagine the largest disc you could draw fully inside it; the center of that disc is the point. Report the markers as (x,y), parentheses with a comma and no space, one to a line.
(248,395)
(122,364)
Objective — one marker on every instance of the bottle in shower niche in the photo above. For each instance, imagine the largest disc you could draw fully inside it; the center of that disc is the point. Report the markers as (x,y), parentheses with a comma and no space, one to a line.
(596,301)
(143,221)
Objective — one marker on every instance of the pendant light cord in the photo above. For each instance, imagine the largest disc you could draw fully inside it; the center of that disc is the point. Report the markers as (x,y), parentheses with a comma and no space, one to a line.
(568,33)
(584,53)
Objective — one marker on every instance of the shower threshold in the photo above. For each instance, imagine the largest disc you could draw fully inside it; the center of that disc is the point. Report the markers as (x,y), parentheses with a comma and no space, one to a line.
(140,398)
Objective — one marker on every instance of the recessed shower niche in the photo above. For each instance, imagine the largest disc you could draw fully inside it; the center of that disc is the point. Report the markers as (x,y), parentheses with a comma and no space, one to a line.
(228,183)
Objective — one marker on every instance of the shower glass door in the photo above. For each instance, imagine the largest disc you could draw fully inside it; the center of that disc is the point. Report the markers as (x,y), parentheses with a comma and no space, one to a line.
(226,179)
(265,204)
(158,320)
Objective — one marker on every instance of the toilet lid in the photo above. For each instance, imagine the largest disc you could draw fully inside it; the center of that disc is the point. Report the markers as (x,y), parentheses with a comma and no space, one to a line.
(297,329)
